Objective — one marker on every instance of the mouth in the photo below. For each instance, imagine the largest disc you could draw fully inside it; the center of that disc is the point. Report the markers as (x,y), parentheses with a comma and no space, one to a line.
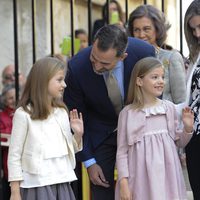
(160,88)
(100,72)
(61,91)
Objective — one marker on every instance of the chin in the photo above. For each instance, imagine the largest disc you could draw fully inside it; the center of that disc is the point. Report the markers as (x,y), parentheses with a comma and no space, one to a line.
(159,94)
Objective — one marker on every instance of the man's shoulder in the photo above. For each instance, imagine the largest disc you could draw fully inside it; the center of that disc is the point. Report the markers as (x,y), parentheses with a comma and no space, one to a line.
(140,47)
(132,41)
(82,56)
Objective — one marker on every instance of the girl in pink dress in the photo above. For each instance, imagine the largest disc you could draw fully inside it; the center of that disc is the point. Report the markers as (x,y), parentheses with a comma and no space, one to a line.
(148,135)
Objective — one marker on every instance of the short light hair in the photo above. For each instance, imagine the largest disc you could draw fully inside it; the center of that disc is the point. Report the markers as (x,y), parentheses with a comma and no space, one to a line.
(156,16)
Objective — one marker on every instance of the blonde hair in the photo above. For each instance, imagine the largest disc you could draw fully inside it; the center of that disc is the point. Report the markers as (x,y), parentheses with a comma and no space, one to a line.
(141,68)
(35,95)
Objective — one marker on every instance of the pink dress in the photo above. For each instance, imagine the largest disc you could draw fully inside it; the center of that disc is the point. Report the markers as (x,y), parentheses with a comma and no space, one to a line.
(153,168)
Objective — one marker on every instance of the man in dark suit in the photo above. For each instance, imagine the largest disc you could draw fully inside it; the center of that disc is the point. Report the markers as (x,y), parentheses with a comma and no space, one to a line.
(86,90)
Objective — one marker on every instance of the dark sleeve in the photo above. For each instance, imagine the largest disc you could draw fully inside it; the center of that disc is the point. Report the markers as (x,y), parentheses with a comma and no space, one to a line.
(74,99)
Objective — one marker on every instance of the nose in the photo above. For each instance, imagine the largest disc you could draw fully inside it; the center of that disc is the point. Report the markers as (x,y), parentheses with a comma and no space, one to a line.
(161,80)
(197,32)
(141,34)
(64,84)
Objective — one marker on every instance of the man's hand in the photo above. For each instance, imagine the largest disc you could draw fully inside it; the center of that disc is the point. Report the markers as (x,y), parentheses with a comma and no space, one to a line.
(96,176)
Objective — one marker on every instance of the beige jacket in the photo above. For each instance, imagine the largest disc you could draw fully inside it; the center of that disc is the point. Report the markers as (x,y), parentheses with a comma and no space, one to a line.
(25,150)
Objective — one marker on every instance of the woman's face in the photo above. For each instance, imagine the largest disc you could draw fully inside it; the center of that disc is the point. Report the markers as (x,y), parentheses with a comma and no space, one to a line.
(144,29)
(10,98)
(194,24)
(113,7)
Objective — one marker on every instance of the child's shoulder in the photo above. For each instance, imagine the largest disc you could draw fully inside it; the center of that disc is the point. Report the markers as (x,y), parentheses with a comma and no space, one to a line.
(127,108)
(61,110)
(21,113)
(168,103)
(20,110)
(170,106)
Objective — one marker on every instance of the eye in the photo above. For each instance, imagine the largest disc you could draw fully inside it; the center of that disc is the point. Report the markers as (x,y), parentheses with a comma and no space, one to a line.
(147,29)
(60,80)
(155,77)
(136,30)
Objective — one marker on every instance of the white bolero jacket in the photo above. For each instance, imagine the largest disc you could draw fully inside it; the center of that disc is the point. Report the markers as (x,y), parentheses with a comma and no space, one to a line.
(27,138)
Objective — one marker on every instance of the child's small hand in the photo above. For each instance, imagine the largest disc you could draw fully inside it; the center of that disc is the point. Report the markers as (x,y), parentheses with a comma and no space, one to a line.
(15,196)
(188,119)
(125,193)
(76,122)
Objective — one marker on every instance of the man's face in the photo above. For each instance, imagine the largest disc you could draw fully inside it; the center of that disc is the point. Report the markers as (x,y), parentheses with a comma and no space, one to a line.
(103,61)
(9,75)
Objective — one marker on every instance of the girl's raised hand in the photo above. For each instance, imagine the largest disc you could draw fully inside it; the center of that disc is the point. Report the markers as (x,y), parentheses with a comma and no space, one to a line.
(76,122)
(188,119)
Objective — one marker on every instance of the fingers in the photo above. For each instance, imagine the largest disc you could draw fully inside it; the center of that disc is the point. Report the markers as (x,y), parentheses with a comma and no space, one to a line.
(74,114)
(102,177)
(96,176)
(100,182)
(81,116)
(187,110)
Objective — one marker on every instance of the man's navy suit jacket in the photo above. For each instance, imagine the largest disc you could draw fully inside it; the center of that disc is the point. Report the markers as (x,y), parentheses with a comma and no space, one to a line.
(87,92)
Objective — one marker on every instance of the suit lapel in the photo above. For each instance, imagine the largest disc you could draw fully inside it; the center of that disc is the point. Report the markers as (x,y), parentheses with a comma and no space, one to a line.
(127,74)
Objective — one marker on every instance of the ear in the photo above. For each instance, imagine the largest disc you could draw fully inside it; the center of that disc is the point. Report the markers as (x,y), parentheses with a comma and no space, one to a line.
(123,56)
(139,81)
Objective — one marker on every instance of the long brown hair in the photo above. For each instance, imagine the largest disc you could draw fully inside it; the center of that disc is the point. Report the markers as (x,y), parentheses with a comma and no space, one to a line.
(35,95)
(141,68)
(192,41)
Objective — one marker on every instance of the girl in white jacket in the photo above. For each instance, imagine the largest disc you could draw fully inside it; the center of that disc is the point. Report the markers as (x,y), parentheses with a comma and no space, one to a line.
(41,156)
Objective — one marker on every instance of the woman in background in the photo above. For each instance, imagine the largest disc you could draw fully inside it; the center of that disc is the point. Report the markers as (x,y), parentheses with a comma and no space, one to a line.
(6,116)
(114,7)
(192,35)
(149,24)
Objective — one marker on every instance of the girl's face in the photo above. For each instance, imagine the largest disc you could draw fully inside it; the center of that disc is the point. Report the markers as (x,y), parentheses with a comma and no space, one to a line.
(194,23)
(57,85)
(152,84)
(144,29)
(10,98)
(83,40)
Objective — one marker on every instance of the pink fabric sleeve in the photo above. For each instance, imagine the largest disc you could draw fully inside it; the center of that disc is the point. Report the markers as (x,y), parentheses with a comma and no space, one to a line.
(122,146)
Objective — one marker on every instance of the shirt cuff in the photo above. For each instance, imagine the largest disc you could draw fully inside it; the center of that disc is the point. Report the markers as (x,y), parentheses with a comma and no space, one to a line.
(89,162)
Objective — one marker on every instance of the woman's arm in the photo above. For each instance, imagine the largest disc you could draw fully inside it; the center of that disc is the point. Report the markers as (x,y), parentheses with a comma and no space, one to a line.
(177,80)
